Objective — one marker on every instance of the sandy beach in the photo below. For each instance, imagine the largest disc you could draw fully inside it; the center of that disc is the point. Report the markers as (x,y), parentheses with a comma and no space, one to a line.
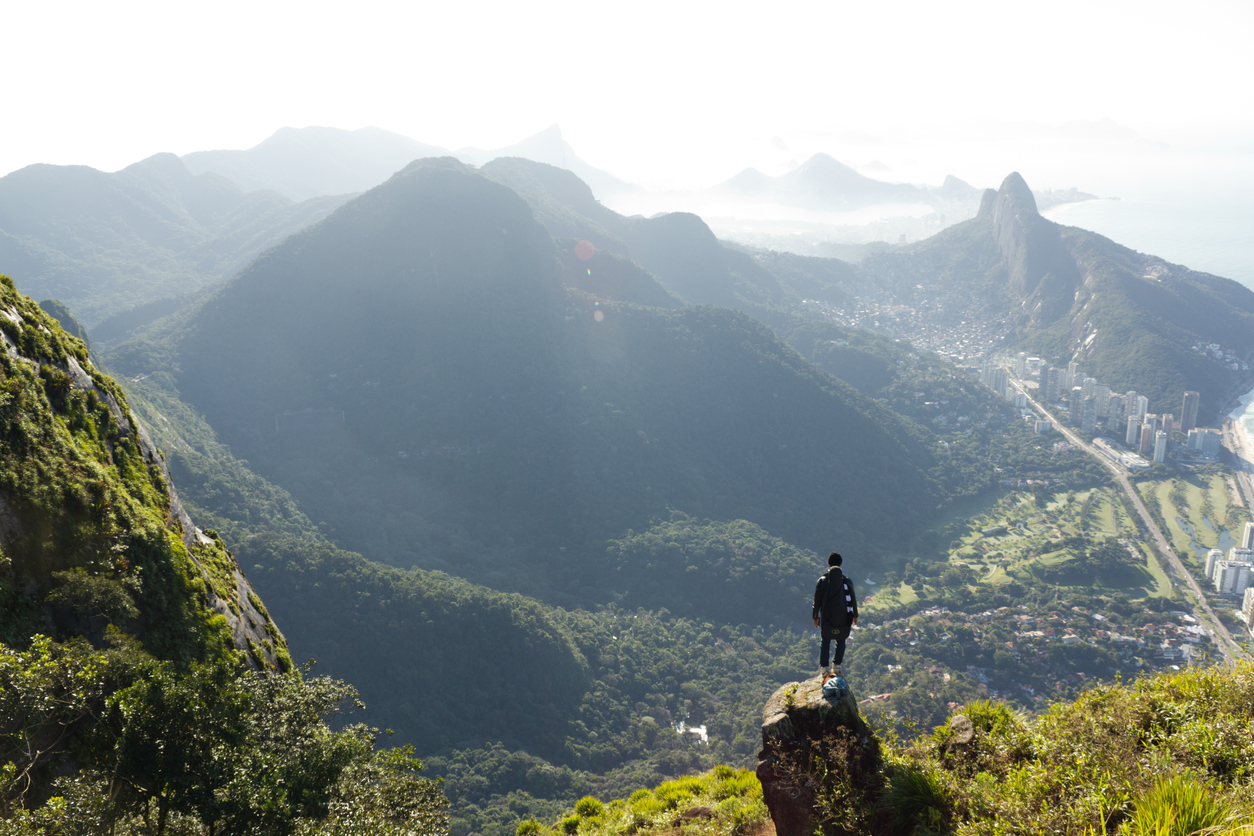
(1240,425)
(1238,430)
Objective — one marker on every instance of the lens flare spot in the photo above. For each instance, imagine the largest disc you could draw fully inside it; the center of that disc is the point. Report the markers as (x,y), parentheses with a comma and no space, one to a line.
(584,250)
(598,315)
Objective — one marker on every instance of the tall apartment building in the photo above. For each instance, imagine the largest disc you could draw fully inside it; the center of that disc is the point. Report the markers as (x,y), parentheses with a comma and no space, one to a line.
(1149,429)
(1160,446)
(1188,412)
(1088,385)
(1247,537)
(1114,412)
(1247,608)
(1075,405)
(1205,441)
(1021,364)
(1051,378)
(999,381)
(1142,405)
(1102,392)
(1133,438)
(1212,557)
(1130,402)
(1234,575)
(1168,423)
(1231,578)
(1088,414)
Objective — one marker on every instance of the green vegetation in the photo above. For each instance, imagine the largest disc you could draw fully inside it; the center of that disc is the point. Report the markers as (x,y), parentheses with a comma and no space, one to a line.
(1166,755)
(142,712)
(492,427)
(112,740)
(89,535)
(1168,748)
(703,569)
(1195,512)
(721,801)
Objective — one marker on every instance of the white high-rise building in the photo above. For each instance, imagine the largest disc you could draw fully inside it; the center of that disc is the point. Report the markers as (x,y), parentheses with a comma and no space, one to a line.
(1142,405)
(1133,438)
(1021,364)
(1247,537)
(1088,386)
(1160,446)
(1169,422)
(1239,554)
(1212,557)
(1231,578)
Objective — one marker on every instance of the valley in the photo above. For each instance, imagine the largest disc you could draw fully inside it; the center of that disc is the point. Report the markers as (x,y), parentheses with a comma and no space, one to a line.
(551,485)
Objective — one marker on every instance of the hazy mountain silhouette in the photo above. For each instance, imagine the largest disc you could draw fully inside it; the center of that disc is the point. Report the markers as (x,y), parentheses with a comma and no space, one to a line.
(103,242)
(549,147)
(307,162)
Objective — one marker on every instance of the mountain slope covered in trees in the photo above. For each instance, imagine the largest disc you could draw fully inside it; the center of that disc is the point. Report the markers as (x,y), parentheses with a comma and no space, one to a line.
(103,242)
(415,373)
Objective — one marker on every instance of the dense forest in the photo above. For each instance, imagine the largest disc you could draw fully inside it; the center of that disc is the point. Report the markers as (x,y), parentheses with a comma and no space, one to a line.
(143,685)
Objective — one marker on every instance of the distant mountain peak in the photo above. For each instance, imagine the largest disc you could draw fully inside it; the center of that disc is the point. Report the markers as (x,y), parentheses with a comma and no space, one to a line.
(749,181)
(1014,189)
(821,163)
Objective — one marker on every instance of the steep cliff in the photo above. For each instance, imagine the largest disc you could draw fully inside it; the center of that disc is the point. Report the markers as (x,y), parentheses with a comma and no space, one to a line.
(1042,272)
(92,533)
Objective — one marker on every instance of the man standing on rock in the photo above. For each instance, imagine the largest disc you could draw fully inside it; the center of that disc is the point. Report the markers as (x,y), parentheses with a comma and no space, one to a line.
(836,610)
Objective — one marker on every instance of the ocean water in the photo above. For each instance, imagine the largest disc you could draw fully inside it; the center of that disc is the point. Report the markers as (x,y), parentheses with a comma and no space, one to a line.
(1211,230)
(1243,416)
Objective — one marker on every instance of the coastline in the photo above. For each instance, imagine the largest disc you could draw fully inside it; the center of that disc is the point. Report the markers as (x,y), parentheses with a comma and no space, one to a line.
(1238,432)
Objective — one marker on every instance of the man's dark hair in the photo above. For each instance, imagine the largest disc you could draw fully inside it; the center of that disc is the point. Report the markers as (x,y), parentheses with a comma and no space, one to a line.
(834,559)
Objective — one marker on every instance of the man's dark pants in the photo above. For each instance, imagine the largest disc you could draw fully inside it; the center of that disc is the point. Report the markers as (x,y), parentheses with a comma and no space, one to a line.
(840,647)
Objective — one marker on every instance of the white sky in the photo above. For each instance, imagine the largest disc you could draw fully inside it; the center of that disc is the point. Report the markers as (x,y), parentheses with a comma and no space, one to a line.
(663,93)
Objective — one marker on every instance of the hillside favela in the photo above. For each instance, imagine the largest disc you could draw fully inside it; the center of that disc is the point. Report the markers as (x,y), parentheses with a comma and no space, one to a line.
(680,421)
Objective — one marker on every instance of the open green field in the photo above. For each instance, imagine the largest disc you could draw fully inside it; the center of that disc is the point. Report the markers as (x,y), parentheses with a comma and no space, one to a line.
(1198,512)
(1069,539)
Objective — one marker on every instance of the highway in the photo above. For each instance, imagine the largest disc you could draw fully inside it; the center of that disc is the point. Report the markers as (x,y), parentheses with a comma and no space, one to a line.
(1176,570)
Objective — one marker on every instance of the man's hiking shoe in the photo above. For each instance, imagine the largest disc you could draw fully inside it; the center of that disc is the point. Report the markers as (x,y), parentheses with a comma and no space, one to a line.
(836,671)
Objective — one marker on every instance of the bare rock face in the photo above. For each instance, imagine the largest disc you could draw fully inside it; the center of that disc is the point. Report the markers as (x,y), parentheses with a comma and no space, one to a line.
(800,727)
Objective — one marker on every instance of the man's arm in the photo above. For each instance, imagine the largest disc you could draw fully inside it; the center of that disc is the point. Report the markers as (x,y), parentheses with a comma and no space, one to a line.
(853,599)
(819,588)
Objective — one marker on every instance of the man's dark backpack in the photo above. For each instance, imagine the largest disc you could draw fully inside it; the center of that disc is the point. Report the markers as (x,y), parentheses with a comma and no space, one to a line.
(835,608)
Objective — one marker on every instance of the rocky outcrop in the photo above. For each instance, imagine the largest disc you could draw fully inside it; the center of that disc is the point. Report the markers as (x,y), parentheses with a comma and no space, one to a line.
(1043,272)
(802,727)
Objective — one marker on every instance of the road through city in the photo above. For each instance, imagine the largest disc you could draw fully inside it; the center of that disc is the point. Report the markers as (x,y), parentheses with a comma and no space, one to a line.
(1180,575)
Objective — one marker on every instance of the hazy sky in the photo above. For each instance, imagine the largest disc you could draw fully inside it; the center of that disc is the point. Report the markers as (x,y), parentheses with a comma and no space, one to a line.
(667,93)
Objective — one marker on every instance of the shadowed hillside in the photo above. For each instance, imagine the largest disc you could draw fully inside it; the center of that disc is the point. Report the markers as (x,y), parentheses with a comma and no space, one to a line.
(414,372)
